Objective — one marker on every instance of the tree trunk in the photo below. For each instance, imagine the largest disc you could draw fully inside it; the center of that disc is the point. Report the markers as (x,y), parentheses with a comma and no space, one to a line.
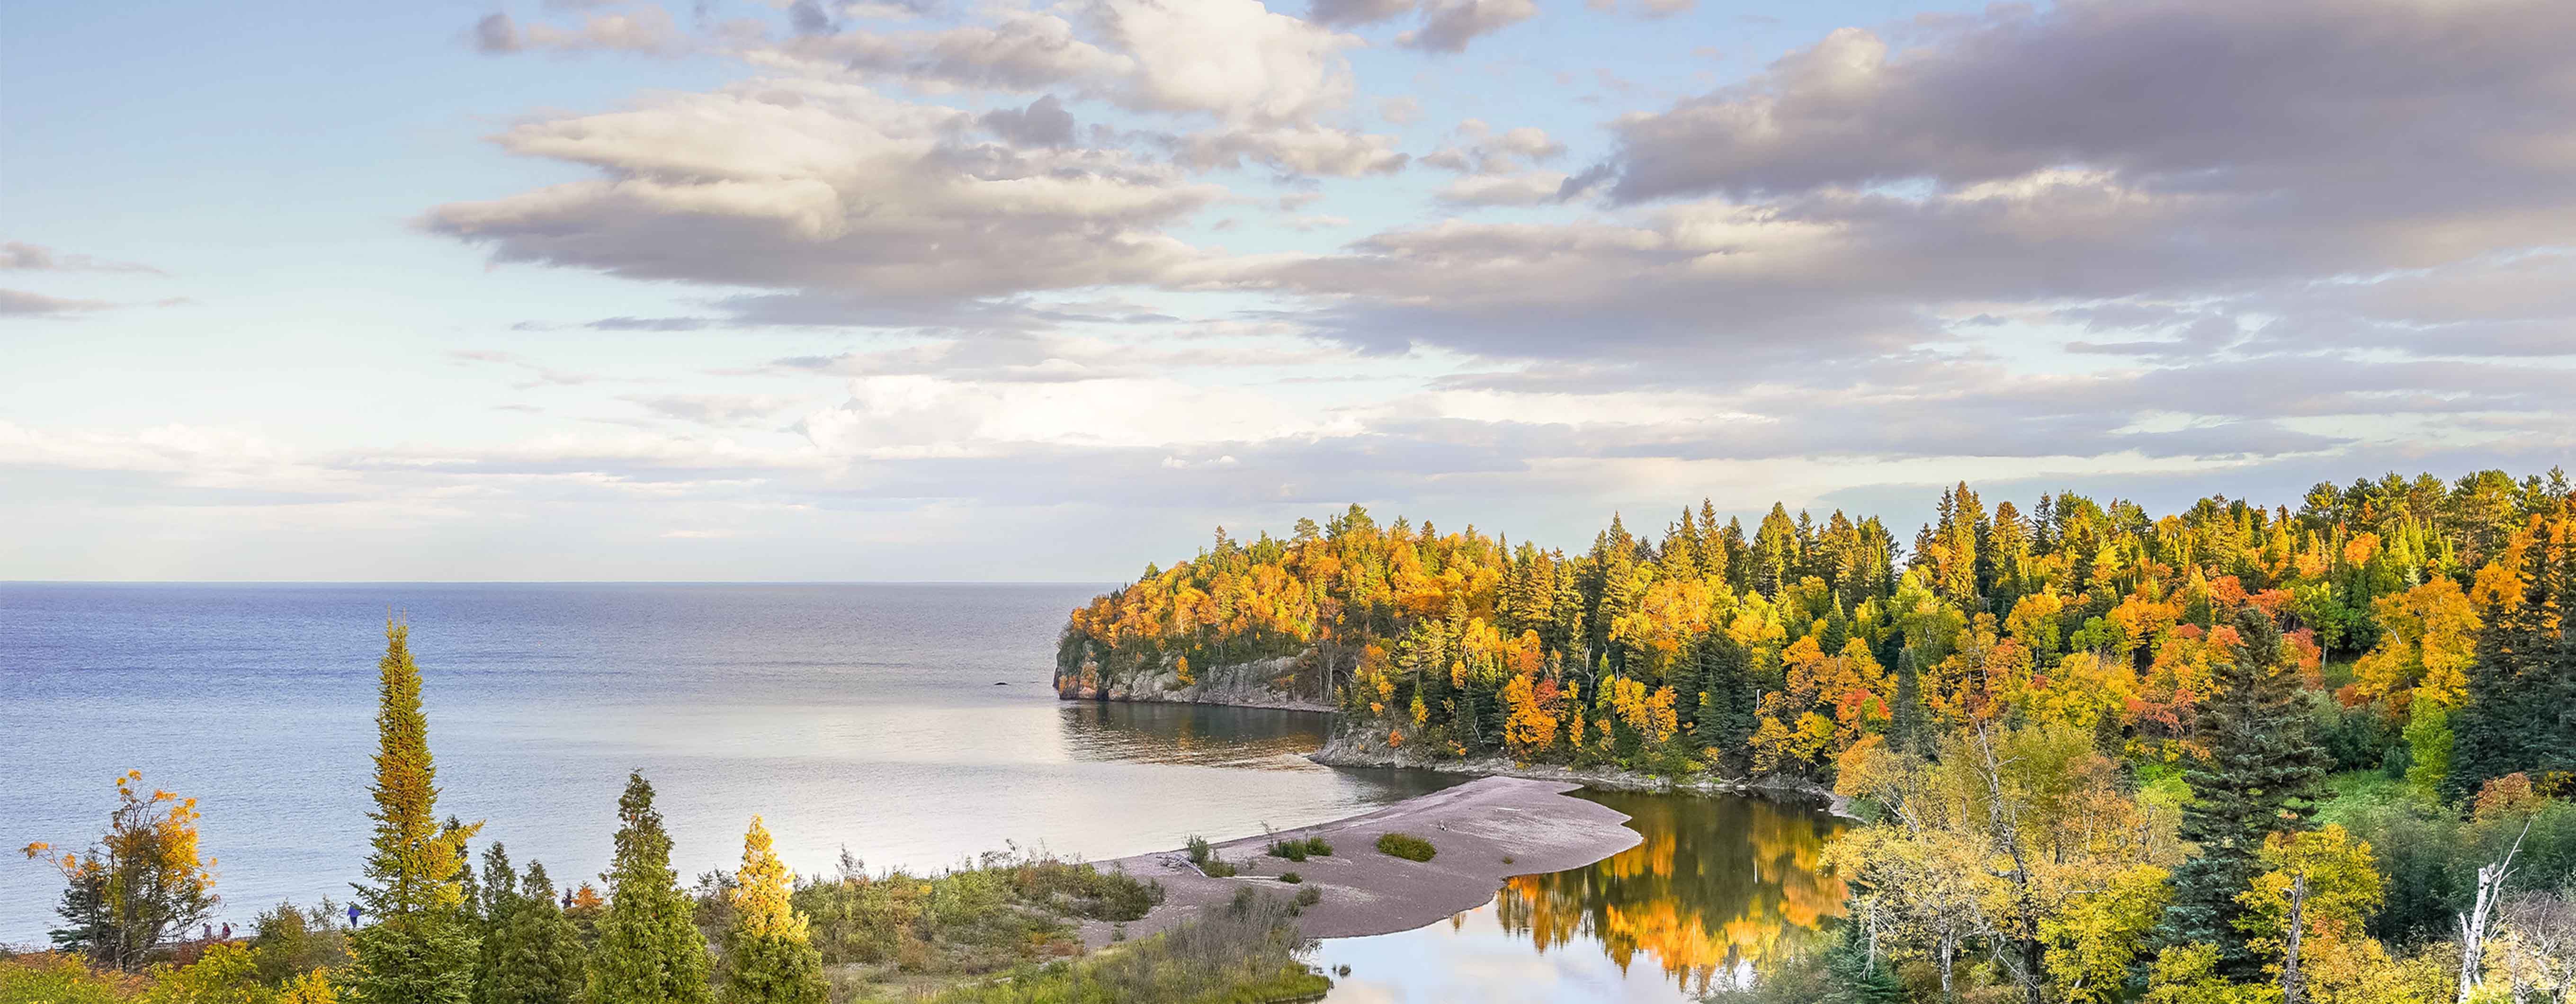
(2473,924)
(2294,986)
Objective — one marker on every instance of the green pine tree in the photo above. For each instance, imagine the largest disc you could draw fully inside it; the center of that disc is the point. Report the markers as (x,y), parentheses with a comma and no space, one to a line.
(2259,777)
(2525,674)
(770,957)
(1910,730)
(418,947)
(500,899)
(535,956)
(650,951)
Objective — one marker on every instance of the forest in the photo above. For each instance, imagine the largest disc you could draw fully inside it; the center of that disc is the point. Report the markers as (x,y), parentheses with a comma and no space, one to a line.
(2239,753)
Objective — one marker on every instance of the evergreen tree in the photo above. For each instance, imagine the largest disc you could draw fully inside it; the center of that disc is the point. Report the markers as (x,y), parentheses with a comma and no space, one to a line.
(650,951)
(2258,778)
(500,900)
(419,948)
(2516,714)
(535,956)
(769,959)
(1909,730)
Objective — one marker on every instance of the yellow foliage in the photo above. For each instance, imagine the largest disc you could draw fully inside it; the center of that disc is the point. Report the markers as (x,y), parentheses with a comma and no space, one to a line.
(2430,643)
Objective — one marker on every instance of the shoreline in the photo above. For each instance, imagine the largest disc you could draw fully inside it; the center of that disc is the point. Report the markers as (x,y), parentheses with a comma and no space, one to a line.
(1486,831)
(1348,748)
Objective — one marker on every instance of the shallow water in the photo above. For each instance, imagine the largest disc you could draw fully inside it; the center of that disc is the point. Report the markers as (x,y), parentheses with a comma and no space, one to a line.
(1718,885)
(857,715)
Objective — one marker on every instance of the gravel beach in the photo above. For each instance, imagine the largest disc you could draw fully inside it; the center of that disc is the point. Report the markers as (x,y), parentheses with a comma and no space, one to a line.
(1474,826)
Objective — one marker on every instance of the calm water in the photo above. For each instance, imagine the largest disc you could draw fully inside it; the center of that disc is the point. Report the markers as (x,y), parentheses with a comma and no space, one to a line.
(1718,884)
(859,715)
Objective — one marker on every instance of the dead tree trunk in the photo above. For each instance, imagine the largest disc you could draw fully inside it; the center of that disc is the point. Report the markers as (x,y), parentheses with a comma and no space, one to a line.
(2473,924)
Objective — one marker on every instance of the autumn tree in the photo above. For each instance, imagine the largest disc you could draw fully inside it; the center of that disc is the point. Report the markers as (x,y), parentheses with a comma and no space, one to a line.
(769,958)
(138,886)
(419,947)
(650,951)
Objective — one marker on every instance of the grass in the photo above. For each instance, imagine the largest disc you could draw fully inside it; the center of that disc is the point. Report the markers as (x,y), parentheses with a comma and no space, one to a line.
(1300,849)
(1406,846)
(1292,878)
(1243,953)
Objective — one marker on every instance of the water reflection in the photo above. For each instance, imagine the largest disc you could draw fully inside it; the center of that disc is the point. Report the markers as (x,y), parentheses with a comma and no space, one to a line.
(1198,734)
(1718,885)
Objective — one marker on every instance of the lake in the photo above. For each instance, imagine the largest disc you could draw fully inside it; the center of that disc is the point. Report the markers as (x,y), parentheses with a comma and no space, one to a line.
(912,724)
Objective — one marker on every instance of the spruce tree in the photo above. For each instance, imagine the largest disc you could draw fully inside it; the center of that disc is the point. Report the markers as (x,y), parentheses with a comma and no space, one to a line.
(1910,729)
(2515,715)
(419,947)
(2258,777)
(500,900)
(535,957)
(769,958)
(650,951)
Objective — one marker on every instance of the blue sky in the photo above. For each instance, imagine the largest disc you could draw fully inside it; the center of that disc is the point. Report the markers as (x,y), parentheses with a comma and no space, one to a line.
(614,289)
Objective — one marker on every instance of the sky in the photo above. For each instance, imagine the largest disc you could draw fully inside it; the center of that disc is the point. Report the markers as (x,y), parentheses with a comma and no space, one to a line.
(945,290)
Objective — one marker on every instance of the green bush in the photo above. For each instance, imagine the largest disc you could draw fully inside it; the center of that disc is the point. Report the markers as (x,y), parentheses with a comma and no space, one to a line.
(1217,868)
(1292,878)
(1406,846)
(1199,850)
(1309,896)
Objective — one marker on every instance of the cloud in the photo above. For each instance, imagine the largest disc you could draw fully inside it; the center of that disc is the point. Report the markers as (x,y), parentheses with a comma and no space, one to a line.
(1043,123)
(20,255)
(1232,58)
(1021,51)
(1302,150)
(19,303)
(1448,25)
(828,187)
(713,409)
(2326,100)
(647,30)
(1534,188)
(1354,12)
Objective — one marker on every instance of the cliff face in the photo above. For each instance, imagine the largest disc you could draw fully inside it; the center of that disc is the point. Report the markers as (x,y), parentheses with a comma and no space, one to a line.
(1260,684)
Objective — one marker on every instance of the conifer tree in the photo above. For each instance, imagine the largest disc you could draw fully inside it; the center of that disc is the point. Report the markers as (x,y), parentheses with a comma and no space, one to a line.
(535,956)
(2258,778)
(2512,717)
(650,951)
(500,899)
(769,958)
(1909,729)
(418,948)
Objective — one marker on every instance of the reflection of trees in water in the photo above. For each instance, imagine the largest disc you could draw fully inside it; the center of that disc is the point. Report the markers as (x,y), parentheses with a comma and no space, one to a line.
(1718,885)
(1189,734)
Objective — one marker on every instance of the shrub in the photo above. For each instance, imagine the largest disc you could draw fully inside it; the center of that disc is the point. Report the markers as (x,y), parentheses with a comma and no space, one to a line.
(1309,896)
(1199,850)
(1293,850)
(1217,868)
(1406,846)
(1317,847)
(1292,878)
